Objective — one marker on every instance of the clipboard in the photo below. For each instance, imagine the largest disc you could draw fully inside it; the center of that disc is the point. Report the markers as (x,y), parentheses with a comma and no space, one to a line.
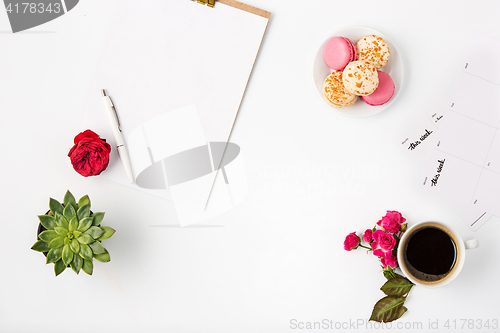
(177,71)
(245,7)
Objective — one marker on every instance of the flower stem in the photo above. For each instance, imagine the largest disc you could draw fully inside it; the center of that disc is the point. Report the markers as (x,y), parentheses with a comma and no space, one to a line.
(369,248)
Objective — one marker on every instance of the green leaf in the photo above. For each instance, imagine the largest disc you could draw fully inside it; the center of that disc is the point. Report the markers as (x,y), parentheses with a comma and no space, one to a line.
(83,212)
(47,221)
(66,240)
(57,242)
(59,267)
(40,246)
(77,264)
(63,232)
(97,248)
(85,252)
(54,255)
(84,224)
(61,221)
(67,255)
(104,257)
(95,232)
(73,224)
(97,218)
(389,274)
(88,266)
(75,245)
(108,232)
(55,207)
(76,233)
(85,239)
(69,212)
(85,200)
(69,199)
(388,309)
(48,235)
(397,286)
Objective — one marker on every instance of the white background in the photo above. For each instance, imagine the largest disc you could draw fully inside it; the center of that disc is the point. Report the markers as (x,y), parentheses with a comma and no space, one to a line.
(276,257)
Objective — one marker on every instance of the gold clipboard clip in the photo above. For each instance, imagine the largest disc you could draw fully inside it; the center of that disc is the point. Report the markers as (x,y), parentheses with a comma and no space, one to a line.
(209,3)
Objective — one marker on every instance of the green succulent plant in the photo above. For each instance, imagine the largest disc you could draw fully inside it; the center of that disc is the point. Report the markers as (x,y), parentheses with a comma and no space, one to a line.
(73,235)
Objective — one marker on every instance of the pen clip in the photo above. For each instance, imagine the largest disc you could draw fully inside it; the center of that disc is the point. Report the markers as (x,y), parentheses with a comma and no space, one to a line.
(116,114)
(113,107)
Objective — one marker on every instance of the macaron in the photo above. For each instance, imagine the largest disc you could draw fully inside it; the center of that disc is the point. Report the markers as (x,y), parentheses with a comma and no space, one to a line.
(373,49)
(360,78)
(383,93)
(335,93)
(338,52)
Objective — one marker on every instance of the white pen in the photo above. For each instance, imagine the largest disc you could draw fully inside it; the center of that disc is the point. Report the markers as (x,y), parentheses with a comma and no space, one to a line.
(117,133)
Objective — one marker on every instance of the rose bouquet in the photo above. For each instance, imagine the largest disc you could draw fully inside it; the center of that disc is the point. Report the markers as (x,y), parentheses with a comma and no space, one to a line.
(383,240)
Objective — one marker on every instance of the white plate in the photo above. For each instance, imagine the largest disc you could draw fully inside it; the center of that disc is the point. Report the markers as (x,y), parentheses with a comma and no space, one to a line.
(394,68)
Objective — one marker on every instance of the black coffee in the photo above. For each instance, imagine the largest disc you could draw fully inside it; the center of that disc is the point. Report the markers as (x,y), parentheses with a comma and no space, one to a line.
(431,251)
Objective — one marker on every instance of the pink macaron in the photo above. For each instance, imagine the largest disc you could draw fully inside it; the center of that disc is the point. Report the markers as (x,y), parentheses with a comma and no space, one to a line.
(338,52)
(383,93)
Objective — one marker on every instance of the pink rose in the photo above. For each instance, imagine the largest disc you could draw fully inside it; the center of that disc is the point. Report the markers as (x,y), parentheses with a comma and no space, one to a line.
(383,243)
(367,236)
(351,242)
(392,221)
(390,260)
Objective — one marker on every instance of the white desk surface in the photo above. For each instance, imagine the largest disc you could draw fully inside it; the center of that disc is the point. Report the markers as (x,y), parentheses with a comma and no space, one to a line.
(277,258)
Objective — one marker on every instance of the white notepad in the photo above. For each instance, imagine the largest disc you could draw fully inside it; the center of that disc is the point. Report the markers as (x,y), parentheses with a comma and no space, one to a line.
(465,165)
(176,72)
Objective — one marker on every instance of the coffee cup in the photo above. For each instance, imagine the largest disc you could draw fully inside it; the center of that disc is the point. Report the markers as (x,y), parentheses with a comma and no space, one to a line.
(432,254)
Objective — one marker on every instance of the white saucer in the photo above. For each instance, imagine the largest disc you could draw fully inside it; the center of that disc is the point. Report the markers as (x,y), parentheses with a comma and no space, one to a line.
(394,68)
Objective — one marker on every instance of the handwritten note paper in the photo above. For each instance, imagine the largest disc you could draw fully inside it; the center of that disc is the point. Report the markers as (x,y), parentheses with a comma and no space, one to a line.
(465,164)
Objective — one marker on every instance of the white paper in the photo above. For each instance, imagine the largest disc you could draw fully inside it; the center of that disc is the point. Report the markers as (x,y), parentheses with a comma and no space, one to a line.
(165,56)
(421,138)
(465,165)
(422,134)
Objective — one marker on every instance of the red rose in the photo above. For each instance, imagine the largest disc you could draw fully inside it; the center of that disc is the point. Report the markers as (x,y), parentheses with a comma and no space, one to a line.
(351,242)
(383,243)
(392,221)
(390,260)
(90,154)
(367,236)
